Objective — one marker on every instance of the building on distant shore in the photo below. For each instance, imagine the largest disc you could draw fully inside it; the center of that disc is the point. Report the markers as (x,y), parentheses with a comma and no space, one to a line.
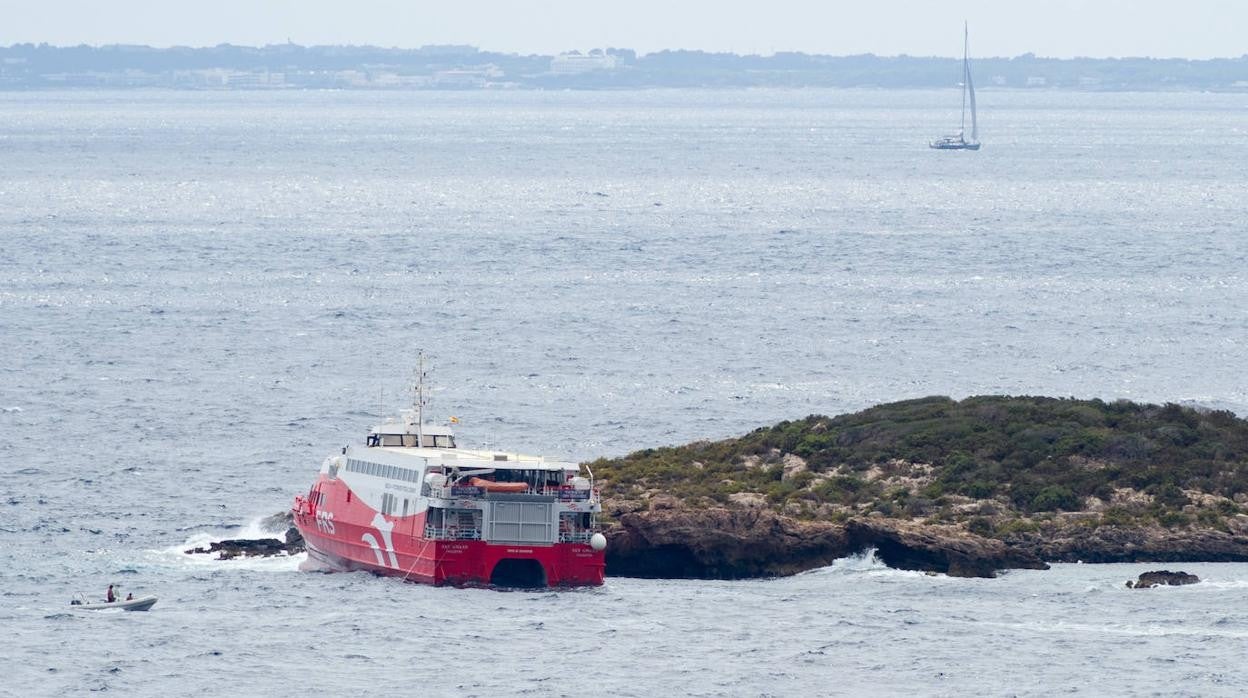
(577,63)
(463,78)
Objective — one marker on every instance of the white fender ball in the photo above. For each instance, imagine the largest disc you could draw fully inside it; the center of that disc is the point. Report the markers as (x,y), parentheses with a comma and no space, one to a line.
(598,542)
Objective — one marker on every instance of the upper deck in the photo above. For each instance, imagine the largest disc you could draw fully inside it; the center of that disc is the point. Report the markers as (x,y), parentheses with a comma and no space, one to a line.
(427,454)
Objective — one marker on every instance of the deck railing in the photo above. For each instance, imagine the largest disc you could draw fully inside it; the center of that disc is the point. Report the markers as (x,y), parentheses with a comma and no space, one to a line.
(452,533)
(563,494)
(575,536)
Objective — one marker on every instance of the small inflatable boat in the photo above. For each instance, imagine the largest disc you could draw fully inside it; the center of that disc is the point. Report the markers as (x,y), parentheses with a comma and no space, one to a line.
(140,604)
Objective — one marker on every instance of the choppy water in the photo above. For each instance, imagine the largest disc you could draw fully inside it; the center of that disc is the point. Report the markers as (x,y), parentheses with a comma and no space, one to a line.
(202,294)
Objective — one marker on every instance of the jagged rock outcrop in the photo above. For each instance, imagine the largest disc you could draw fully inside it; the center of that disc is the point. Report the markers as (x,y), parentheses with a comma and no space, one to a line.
(949,550)
(1149,580)
(719,544)
(750,542)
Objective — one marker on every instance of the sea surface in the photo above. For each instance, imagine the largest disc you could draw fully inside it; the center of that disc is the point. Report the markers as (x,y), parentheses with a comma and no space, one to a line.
(203,294)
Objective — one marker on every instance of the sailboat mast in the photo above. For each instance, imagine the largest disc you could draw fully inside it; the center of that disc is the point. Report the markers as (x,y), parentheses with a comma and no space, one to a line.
(969,91)
(965,73)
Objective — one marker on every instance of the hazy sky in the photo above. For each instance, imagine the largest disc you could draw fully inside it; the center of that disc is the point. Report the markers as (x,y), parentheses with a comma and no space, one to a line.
(1061,28)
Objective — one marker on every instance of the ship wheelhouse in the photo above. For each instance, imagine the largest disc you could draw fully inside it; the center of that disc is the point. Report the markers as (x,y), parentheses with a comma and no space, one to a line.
(408,432)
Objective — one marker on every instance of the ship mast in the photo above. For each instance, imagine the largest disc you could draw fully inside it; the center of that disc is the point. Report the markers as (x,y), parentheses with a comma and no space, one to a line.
(418,395)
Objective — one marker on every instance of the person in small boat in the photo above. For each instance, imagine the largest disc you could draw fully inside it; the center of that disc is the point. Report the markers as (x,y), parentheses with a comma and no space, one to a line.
(110,597)
(130,597)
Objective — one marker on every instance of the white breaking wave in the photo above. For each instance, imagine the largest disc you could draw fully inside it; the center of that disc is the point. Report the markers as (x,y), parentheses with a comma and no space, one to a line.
(1120,629)
(866,562)
(1216,584)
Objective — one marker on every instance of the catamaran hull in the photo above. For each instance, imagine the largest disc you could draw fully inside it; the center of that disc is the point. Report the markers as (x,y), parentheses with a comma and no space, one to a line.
(954,146)
(466,564)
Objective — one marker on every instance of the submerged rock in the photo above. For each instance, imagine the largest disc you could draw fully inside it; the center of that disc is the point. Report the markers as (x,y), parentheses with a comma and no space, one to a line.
(1149,580)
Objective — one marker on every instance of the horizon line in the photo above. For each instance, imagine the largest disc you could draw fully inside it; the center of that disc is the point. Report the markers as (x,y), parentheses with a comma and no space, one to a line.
(639,54)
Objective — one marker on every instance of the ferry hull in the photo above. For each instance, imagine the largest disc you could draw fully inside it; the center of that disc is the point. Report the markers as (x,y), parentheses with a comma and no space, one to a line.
(344,534)
(465,563)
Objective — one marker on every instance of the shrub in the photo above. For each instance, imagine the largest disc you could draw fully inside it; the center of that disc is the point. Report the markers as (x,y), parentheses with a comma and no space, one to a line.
(1210,518)
(1173,519)
(1168,495)
(1116,516)
(1055,498)
(802,479)
(978,490)
(980,526)
(886,508)
(841,490)
(919,506)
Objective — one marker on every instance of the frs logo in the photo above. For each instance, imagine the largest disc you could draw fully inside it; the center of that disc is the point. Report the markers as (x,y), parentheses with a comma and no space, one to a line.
(325,524)
(384,528)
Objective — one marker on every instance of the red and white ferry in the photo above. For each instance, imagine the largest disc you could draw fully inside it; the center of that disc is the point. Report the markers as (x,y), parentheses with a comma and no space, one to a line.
(410,503)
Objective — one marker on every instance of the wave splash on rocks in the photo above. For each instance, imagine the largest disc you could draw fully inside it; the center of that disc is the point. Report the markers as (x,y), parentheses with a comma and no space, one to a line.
(290,543)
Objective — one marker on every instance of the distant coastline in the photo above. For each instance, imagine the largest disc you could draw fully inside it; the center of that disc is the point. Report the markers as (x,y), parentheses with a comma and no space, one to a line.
(455,67)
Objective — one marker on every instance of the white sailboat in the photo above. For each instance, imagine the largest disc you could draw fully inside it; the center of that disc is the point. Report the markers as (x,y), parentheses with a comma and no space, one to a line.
(958,141)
